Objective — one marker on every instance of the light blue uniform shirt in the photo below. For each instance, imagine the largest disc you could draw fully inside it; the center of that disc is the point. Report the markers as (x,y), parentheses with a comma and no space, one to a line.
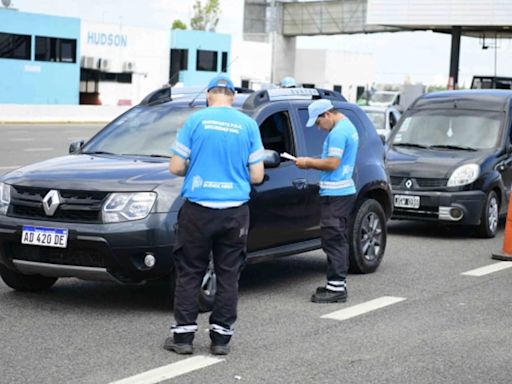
(342,142)
(220,143)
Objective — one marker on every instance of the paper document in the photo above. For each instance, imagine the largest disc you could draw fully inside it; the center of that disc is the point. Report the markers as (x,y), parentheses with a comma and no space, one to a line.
(286,155)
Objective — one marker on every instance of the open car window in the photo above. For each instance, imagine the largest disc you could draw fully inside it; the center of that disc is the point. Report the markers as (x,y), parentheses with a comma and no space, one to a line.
(276,134)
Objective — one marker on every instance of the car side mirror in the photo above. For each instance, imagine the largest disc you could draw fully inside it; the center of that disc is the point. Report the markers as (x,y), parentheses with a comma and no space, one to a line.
(383,138)
(272,159)
(75,146)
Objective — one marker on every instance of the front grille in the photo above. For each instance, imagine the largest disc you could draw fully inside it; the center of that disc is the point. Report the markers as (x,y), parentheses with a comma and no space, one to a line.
(417,182)
(76,206)
(79,256)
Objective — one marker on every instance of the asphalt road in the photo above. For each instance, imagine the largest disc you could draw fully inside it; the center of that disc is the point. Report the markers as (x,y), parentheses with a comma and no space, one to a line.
(434,325)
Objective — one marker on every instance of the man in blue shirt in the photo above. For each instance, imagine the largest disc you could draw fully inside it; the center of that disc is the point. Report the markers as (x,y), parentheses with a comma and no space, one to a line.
(220,153)
(337,191)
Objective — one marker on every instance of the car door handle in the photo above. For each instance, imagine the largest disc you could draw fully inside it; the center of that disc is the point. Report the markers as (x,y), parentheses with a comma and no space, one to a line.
(300,183)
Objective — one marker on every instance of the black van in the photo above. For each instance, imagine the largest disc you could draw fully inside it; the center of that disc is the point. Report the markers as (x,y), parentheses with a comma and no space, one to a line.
(450,159)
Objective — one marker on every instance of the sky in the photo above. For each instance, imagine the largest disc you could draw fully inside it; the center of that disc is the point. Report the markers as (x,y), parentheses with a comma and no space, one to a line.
(402,56)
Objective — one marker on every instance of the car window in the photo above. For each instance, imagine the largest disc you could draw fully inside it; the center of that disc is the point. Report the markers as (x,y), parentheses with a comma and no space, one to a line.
(392,119)
(464,128)
(276,133)
(142,130)
(377,118)
(313,137)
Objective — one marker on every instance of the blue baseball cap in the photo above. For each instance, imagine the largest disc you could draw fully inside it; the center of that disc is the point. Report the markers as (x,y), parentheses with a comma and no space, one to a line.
(316,108)
(221,81)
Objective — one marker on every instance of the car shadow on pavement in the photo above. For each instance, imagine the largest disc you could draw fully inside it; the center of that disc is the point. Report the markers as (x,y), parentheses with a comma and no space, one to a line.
(291,270)
(434,229)
(79,295)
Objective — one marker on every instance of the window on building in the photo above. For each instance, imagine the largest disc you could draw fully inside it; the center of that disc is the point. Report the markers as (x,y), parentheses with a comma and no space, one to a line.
(206,61)
(224,67)
(337,88)
(124,77)
(179,57)
(245,83)
(179,62)
(308,85)
(15,46)
(55,49)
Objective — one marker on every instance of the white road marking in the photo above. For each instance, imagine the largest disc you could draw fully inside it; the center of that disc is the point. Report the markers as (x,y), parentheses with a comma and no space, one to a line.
(39,149)
(488,269)
(16,139)
(360,309)
(167,372)
(11,167)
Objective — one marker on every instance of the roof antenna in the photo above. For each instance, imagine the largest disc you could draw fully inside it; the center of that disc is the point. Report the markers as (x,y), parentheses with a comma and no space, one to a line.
(202,90)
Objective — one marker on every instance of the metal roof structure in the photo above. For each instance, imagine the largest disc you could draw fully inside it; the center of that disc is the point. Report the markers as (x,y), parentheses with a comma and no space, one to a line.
(329,17)
(488,19)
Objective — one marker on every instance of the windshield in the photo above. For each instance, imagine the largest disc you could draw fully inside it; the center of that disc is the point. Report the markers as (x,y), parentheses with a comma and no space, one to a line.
(380,97)
(377,118)
(144,130)
(450,128)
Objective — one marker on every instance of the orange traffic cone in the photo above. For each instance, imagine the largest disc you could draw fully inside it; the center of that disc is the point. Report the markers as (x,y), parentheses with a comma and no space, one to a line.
(506,253)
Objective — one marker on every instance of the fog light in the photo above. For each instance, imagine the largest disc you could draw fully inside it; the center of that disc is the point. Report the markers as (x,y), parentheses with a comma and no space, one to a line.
(456,213)
(149,260)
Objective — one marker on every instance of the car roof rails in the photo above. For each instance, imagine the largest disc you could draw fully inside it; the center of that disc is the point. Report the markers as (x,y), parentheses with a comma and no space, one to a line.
(166,93)
(281,94)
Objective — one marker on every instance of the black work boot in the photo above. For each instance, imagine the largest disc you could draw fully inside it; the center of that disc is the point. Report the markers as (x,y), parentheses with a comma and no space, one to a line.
(324,295)
(220,343)
(181,343)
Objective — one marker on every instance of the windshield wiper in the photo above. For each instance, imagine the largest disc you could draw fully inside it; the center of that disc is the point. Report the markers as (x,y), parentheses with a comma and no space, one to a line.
(146,155)
(460,147)
(409,145)
(98,153)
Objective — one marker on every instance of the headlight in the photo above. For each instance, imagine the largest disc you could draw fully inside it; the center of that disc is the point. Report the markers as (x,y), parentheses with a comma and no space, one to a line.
(127,206)
(464,175)
(5,198)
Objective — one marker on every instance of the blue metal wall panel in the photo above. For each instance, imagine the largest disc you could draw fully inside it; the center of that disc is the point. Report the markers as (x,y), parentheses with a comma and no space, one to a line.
(39,82)
(200,40)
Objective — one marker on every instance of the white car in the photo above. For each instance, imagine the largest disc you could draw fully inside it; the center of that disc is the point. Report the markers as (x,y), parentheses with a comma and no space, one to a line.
(383,118)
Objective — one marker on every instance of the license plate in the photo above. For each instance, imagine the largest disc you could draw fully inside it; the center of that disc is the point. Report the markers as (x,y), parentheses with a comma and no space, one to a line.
(407,201)
(46,237)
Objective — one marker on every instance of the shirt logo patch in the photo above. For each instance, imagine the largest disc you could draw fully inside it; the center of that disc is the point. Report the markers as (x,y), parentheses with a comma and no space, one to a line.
(197,182)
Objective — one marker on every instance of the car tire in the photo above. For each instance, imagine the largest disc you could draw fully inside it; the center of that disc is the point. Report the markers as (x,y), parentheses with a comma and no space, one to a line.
(490,215)
(208,289)
(26,283)
(368,237)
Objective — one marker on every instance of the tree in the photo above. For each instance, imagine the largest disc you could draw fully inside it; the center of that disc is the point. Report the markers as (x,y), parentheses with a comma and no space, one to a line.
(206,17)
(178,24)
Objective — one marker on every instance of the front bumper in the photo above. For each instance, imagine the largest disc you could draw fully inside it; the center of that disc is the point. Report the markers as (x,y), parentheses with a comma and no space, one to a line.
(455,207)
(94,251)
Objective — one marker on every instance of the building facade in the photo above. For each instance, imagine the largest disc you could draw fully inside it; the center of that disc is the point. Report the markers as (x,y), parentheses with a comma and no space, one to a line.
(60,60)
(39,58)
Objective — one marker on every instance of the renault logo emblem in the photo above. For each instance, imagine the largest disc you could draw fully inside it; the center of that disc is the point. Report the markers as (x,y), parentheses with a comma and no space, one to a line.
(51,202)
(408,183)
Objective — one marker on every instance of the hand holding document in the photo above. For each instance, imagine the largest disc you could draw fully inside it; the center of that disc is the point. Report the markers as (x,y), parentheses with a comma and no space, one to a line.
(286,155)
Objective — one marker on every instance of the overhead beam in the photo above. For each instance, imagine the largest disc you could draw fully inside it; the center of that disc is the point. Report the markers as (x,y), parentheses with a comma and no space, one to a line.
(328,18)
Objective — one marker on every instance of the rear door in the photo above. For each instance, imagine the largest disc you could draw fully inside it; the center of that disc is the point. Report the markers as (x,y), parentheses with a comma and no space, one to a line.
(278,205)
(313,143)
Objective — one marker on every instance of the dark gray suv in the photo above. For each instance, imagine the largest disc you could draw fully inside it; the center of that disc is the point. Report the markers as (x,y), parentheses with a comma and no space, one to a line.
(108,209)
